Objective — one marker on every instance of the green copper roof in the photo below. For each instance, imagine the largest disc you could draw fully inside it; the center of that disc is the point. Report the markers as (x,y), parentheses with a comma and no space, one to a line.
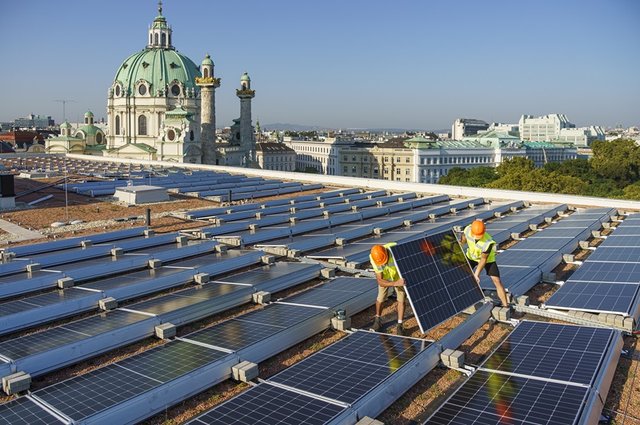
(65,125)
(88,114)
(245,77)
(90,130)
(158,67)
(207,60)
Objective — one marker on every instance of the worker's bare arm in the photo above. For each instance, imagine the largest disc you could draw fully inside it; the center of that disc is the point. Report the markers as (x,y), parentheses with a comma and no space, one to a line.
(386,284)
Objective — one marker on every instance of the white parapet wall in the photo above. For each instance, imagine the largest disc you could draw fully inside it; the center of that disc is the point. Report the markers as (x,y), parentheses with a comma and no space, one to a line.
(536,197)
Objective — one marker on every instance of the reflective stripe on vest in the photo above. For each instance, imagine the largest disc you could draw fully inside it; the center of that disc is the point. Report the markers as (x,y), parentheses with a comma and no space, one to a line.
(475,248)
(389,271)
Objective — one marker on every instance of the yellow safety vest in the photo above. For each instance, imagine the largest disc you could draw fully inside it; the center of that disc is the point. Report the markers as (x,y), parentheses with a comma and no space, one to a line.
(475,248)
(389,271)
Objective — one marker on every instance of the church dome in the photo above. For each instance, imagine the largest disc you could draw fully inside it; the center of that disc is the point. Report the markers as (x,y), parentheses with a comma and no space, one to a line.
(158,69)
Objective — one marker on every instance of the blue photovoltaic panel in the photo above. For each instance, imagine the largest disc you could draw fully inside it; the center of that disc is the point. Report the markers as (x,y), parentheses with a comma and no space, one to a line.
(235,334)
(494,398)
(23,411)
(547,350)
(542,244)
(622,241)
(616,254)
(627,230)
(269,405)
(523,258)
(438,278)
(608,272)
(351,367)
(595,296)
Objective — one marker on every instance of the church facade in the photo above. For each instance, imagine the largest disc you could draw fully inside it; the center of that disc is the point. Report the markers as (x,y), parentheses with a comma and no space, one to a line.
(161,106)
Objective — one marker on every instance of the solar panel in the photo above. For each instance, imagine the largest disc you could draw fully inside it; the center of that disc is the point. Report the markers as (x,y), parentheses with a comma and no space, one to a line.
(280,315)
(547,350)
(542,244)
(322,298)
(608,272)
(595,296)
(438,278)
(627,230)
(552,232)
(351,367)
(270,405)
(494,398)
(23,411)
(621,241)
(234,334)
(523,258)
(617,254)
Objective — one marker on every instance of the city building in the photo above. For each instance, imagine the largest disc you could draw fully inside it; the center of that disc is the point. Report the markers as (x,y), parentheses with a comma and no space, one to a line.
(467,127)
(317,156)
(275,156)
(556,127)
(34,121)
(582,136)
(87,139)
(391,160)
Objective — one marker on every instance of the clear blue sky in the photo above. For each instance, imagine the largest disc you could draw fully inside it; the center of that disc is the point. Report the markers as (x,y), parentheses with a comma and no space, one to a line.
(342,63)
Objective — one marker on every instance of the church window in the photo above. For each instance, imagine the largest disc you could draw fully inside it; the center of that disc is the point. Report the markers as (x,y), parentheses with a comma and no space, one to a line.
(117,90)
(79,135)
(150,39)
(175,90)
(117,124)
(164,39)
(206,73)
(191,135)
(155,38)
(171,135)
(142,125)
(99,138)
(142,89)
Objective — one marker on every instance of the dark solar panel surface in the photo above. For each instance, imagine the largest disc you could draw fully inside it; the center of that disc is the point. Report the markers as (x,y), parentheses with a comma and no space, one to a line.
(624,255)
(321,298)
(595,296)
(267,273)
(69,333)
(546,350)
(437,276)
(523,258)
(235,334)
(132,278)
(627,230)
(280,315)
(33,302)
(493,398)
(23,411)
(351,367)
(93,392)
(172,302)
(269,405)
(545,244)
(608,272)
(621,241)
(552,232)
(171,360)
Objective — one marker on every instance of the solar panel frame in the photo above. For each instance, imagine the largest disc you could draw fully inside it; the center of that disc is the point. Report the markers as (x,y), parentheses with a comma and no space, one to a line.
(426,265)
(603,297)
(607,272)
(24,411)
(605,253)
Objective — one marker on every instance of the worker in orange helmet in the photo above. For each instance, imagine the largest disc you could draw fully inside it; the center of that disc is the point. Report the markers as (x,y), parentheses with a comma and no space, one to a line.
(384,266)
(481,252)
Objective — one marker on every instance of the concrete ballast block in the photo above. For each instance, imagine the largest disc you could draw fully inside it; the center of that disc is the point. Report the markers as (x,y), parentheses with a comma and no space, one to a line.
(628,324)
(16,382)
(341,324)
(619,321)
(495,313)
(445,357)
(369,421)
(108,303)
(456,359)
(221,248)
(268,259)
(182,240)
(117,252)
(149,232)
(504,314)
(201,278)
(165,330)
(261,297)
(65,282)
(523,300)
(33,267)
(154,263)
(327,273)
(86,244)
(245,371)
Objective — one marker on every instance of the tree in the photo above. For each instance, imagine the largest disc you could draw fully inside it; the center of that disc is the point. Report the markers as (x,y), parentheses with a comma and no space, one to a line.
(514,166)
(476,177)
(632,191)
(618,160)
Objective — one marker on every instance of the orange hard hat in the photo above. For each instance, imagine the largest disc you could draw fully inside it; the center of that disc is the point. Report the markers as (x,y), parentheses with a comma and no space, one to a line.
(379,255)
(477,229)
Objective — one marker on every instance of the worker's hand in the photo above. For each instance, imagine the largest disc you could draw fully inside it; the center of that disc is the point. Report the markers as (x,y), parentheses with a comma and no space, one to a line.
(399,282)
(477,278)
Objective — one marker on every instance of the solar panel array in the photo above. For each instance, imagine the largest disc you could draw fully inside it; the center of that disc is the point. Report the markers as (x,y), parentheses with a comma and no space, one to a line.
(438,279)
(609,280)
(522,265)
(541,373)
(321,387)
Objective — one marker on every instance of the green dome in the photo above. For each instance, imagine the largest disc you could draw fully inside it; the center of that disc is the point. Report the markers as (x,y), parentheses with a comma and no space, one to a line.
(207,60)
(158,67)
(88,114)
(65,125)
(245,77)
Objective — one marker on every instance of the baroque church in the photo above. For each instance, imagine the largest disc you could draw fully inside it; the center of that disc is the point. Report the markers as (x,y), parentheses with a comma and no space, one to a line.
(161,106)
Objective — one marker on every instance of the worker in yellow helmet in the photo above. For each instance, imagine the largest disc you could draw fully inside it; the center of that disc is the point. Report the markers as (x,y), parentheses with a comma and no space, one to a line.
(384,266)
(481,252)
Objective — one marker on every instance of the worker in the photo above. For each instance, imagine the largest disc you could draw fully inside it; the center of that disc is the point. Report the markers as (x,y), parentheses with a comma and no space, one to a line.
(388,277)
(481,252)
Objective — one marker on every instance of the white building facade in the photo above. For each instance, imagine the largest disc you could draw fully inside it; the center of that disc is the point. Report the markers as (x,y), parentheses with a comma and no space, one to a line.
(323,156)
(466,127)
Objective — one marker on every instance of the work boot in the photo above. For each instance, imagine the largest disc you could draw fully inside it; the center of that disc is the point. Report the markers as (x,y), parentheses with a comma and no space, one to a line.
(400,329)
(377,324)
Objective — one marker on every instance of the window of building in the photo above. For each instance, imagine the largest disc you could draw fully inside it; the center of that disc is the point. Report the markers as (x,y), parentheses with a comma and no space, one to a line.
(344,169)
(171,135)
(142,89)
(175,90)
(365,170)
(407,171)
(117,124)
(142,125)
(99,138)
(375,170)
(397,171)
(386,159)
(354,169)
(407,160)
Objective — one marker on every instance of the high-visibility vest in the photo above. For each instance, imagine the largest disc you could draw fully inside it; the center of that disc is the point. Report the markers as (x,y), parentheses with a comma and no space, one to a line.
(475,248)
(389,271)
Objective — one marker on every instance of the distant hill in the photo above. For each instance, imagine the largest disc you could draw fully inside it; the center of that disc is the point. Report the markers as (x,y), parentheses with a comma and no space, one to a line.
(300,127)
(292,127)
